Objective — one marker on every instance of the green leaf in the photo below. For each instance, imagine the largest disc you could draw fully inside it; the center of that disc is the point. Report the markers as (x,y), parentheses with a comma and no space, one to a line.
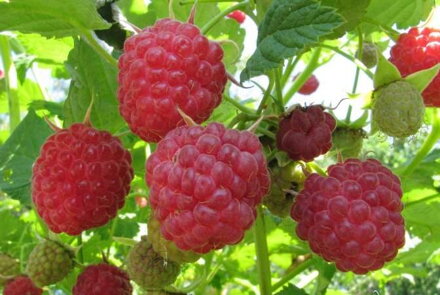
(288,27)
(386,72)
(18,154)
(50,18)
(351,10)
(403,13)
(92,76)
(291,290)
(26,92)
(421,79)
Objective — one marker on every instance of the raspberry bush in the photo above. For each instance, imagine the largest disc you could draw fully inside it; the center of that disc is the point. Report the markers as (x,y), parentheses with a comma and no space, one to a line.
(157,147)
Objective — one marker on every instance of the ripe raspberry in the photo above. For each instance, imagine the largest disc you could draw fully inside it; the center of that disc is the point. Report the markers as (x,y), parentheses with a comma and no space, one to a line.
(21,285)
(284,179)
(417,50)
(9,268)
(167,249)
(49,262)
(204,185)
(306,133)
(369,55)
(166,66)
(348,142)
(398,109)
(309,86)
(238,15)
(80,179)
(102,279)
(353,216)
(148,269)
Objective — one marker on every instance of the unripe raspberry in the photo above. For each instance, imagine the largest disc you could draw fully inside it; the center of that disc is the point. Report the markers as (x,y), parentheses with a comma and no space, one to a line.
(348,142)
(417,50)
(398,109)
(168,66)
(21,285)
(204,185)
(238,15)
(369,55)
(100,279)
(286,181)
(167,249)
(310,86)
(9,267)
(306,133)
(148,269)
(49,262)
(353,216)
(80,179)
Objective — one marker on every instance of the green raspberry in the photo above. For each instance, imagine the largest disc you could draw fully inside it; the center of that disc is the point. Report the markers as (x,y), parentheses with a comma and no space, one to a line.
(348,141)
(167,249)
(369,55)
(49,262)
(9,268)
(283,179)
(398,109)
(148,269)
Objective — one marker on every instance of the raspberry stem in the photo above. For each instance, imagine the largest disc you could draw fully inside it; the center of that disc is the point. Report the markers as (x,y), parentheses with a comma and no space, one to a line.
(289,69)
(222,14)
(238,105)
(427,146)
(293,273)
(11,83)
(360,50)
(263,264)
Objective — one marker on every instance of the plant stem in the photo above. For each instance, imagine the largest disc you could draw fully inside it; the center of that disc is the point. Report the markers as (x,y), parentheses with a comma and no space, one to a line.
(222,14)
(349,57)
(302,78)
(293,273)
(263,264)
(360,53)
(263,102)
(91,40)
(11,83)
(415,202)
(289,69)
(427,146)
(278,90)
(238,105)
(81,252)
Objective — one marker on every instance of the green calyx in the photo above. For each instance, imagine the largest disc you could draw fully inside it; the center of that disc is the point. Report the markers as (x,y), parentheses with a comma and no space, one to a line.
(148,269)
(286,181)
(49,263)
(398,109)
(9,268)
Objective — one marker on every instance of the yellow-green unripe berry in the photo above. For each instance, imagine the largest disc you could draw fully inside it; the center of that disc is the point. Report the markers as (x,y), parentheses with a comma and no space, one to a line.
(398,109)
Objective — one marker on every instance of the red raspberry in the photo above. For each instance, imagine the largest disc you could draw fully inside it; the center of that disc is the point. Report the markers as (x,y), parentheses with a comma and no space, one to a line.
(238,15)
(80,179)
(306,133)
(204,185)
(353,216)
(417,50)
(21,285)
(166,66)
(102,279)
(309,86)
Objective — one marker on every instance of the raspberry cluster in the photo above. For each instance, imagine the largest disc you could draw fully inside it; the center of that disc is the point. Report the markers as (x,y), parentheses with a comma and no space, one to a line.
(417,50)
(353,216)
(102,279)
(80,179)
(204,185)
(306,133)
(168,66)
